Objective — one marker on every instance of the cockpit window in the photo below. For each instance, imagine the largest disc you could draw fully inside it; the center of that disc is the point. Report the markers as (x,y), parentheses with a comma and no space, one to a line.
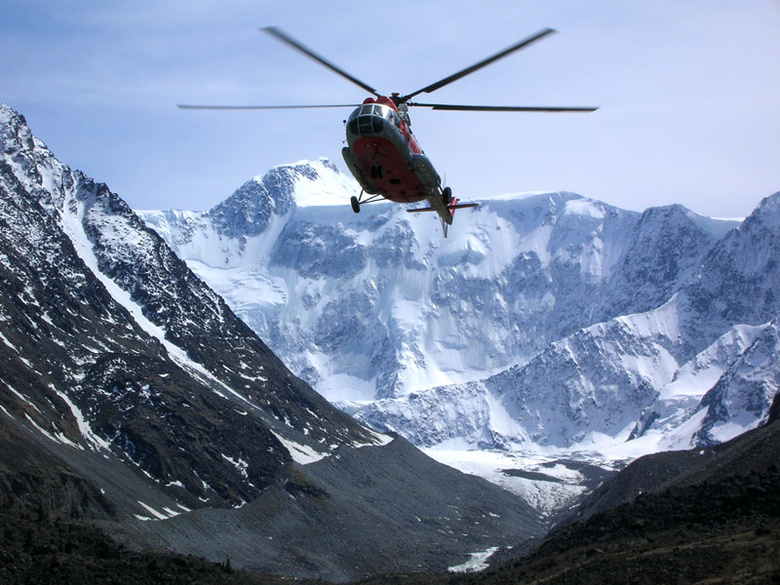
(369,119)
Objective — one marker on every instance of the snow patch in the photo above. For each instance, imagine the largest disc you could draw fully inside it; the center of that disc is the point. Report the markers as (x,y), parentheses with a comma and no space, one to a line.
(86,431)
(155,514)
(301,454)
(56,438)
(240,464)
(477,562)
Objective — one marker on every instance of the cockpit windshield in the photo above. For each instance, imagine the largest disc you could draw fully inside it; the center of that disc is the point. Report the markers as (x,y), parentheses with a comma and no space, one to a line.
(370,118)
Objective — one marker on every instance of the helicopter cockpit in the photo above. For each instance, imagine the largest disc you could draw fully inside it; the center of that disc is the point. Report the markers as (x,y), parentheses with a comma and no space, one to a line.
(370,119)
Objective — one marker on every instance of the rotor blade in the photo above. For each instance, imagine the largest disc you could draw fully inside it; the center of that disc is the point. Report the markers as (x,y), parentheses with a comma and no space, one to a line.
(200,107)
(468,108)
(483,63)
(285,38)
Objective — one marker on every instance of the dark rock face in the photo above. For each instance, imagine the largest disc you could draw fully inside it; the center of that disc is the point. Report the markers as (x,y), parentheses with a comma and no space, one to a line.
(33,481)
(721,504)
(59,319)
(387,498)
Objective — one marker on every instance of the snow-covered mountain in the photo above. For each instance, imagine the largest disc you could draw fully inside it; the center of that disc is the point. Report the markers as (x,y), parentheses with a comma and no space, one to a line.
(418,310)
(131,393)
(547,323)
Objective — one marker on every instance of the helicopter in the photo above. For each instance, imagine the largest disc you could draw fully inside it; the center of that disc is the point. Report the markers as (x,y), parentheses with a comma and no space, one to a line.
(382,153)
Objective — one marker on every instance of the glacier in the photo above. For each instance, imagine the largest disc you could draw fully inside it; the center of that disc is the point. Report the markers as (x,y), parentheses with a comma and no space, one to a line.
(548,326)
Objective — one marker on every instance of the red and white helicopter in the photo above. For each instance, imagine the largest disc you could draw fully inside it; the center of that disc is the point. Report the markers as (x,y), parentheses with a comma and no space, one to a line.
(381,152)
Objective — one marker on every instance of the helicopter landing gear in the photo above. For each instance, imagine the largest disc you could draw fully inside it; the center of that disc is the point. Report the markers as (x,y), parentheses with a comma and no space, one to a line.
(446,195)
(357,202)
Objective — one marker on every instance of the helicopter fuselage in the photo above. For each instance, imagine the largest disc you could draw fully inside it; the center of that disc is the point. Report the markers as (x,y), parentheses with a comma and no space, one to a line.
(384,155)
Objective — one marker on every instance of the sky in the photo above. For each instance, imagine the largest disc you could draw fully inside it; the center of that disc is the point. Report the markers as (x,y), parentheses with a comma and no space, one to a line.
(688,91)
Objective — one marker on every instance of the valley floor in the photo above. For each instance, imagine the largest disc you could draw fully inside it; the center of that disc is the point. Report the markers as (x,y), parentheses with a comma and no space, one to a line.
(725,533)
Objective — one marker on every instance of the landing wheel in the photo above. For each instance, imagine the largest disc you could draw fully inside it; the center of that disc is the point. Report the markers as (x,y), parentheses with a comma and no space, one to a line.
(446,195)
(355,204)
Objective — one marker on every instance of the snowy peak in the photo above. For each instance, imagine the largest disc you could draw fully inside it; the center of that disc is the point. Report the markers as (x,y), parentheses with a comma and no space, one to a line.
(320,183)
(31,162)
(249,210)
(417,312)
(768,210)
(244,229)
(15,136)
(759,232)
(754,245)
(546,321)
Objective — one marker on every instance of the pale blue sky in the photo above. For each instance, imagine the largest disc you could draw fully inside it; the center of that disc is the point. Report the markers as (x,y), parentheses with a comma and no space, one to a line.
(689,92)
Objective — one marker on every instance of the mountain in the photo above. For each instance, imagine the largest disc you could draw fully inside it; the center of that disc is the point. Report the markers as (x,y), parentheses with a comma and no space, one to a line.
(518,274)
(134,400)
(550,332)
